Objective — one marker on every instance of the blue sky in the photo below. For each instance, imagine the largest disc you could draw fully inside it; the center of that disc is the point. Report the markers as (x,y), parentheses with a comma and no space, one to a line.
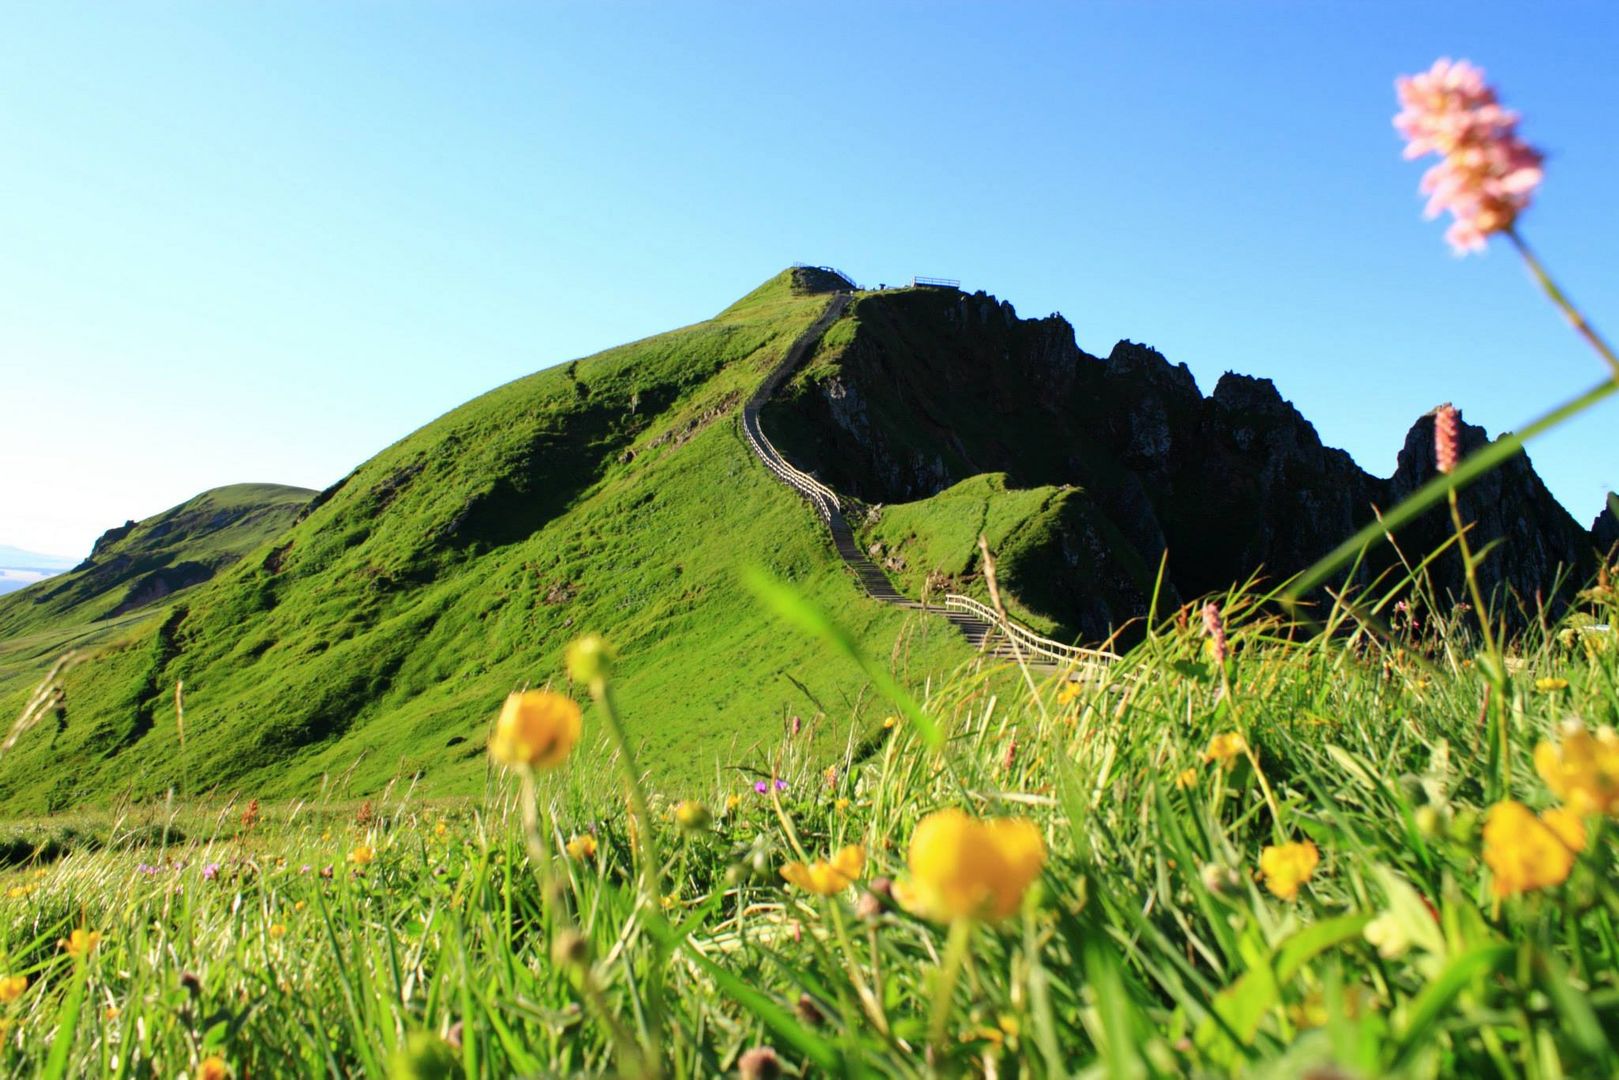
(255,242)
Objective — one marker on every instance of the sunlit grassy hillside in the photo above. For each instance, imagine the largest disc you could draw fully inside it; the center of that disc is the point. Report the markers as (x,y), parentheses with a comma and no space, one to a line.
(372,639)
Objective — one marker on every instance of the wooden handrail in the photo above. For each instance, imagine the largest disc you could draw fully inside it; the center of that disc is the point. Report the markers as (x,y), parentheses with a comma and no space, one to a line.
(827,504)
(1031,641)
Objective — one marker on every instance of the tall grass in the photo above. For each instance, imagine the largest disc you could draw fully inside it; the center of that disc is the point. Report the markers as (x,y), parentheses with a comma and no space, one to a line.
(412,937)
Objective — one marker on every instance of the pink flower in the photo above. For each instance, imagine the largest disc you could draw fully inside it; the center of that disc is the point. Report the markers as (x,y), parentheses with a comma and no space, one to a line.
(1446,440)
(1486,174)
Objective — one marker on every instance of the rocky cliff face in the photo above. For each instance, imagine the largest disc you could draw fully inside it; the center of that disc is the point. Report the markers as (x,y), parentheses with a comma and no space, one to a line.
(935,387)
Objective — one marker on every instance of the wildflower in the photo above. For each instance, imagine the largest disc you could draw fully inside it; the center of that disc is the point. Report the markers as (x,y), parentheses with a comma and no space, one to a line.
(441,830)
(365,815)
(278,931)
(363,855)
(693,816)
(17,892)
(1220,880)
(763,786)
(11,988)
(1186,778)
(732,801)
(1526,852)
(1486,173)
(841,805)
(889,722)
(536,728)
(210,871)
(1550,685)
(110,1013)
(1226,748)
(589,659)
(831,776)
(1582,769)
(831,876)
(581,847)
(1214,626)
(1388,936)
(1446,443)
(213,1068)
(760,1063)
(81,943)
(808,1012)
(1069,691)
(965,868)
(1288,866)
(570,949)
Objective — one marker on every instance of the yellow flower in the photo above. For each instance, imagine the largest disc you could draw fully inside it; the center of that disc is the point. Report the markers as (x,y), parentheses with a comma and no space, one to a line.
(11,987)
(213,1068)
(581,847)
(363,855)
(965,868)
(1069,691)
(17,892)
(841,805)
(441,830)
(536,727)
(1186,778)
(1551,686)
(299,906)
(693,816)
(589,659)
(1582,769)
(1226,749)
(1287,866)
(110,1013)
(278,931)
(829,877)
(81,943)
(1527,852)
(890,721)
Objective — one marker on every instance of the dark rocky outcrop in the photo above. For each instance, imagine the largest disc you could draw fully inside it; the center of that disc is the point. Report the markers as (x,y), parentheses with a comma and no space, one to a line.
(936,387)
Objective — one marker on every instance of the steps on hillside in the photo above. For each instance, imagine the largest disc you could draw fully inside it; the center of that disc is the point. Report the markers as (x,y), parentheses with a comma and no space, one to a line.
(980,634)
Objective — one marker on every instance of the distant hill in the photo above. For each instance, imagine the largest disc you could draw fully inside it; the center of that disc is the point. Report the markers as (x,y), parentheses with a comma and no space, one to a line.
(141,562)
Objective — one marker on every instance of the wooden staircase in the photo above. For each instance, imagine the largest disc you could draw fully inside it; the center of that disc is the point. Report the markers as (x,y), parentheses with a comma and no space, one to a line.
(983,628)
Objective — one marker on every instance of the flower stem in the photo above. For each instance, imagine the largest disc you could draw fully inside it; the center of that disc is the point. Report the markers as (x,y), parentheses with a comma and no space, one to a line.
(1576,318)
(647,852)
(955,954)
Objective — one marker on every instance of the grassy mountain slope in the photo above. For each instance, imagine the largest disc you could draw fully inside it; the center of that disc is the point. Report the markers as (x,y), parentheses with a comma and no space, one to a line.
(376,637)
(1045,540)
(135,571)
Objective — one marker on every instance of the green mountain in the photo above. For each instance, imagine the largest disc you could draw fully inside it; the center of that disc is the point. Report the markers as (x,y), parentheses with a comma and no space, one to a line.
(135,571)
(376,636)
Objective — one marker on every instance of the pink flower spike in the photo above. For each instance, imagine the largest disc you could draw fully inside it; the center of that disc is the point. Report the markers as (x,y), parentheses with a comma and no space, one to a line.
(1486,174)
(1446,437)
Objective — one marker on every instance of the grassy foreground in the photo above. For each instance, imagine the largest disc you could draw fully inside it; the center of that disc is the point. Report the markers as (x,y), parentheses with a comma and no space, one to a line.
(413,938)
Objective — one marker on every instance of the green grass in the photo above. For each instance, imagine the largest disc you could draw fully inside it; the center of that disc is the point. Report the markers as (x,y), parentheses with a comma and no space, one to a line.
(1050,545)
(372,640)
(132,577)
(1148,946)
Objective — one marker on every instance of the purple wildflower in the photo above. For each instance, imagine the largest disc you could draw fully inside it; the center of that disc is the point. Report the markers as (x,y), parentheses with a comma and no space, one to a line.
(210,871)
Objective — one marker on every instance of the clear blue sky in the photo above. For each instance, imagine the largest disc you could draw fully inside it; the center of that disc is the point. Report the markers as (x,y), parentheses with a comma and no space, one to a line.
(259,242)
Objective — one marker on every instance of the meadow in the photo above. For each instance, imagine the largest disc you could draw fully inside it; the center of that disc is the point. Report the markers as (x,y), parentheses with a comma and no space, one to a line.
(1244,852)
(1324,828)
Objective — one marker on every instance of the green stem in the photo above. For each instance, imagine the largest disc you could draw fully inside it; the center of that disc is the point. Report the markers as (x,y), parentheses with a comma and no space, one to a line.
(1573,314)
(955,954)
(646,845)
